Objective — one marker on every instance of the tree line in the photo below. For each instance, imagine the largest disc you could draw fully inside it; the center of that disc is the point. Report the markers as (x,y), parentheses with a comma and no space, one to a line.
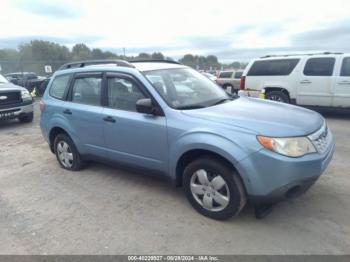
(33,56)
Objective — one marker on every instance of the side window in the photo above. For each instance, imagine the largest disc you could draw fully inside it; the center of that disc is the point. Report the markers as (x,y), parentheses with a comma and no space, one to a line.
(87,90)
(322,66)
(59,86)
(274,67)
(345,68)
(238,75)
(227,74)
(123,94)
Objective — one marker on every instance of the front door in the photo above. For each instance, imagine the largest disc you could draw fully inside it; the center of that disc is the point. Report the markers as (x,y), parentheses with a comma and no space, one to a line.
(131,137)
(342,85)
(315,83)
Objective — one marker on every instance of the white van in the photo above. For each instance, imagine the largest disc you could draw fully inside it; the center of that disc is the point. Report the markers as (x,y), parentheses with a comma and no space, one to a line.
(320,80)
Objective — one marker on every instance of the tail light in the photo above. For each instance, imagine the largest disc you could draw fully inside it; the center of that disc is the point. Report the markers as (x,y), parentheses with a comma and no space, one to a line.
(41,106)
(242,87)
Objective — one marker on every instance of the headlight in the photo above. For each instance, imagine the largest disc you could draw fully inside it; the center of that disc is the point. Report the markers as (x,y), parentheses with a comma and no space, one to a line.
(26,95)
(288,146)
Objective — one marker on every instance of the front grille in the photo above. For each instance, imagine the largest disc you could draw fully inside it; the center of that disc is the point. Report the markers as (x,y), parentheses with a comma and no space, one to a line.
(8,98)
(321,139)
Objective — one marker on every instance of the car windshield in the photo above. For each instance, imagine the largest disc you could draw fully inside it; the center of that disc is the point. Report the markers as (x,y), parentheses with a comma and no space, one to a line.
(3,80)
(185,88)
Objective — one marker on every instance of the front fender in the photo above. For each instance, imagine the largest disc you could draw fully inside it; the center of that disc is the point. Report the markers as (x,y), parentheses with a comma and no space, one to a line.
(201,140)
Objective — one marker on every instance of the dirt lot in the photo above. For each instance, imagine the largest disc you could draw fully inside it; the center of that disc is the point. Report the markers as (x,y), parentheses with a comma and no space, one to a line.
(101,210)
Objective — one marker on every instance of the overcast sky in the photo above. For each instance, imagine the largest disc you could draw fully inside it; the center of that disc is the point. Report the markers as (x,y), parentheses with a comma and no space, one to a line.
(232,30)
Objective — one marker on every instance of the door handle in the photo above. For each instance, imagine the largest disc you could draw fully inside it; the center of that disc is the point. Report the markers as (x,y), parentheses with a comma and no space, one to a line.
(67,111)
(109,119)
(305,81)
(344,83)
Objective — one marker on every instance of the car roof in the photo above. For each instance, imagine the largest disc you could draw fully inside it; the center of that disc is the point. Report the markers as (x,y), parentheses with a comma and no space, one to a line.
(149,66)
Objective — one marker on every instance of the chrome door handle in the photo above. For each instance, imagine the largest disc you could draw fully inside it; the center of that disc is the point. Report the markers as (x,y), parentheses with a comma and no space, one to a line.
(305,82)
(344,83)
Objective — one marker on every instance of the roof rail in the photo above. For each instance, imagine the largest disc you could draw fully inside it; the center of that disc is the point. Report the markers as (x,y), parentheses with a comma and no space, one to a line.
(155,61)
(78,64)
(308,54)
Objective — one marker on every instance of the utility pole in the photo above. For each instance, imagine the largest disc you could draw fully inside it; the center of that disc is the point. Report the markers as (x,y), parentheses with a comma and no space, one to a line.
(124,51)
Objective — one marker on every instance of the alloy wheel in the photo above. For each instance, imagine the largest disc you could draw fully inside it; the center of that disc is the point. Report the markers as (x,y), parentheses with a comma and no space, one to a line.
(210,190)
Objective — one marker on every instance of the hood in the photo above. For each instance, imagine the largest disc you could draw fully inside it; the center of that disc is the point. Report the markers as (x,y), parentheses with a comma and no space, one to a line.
(5,87)
(262,117)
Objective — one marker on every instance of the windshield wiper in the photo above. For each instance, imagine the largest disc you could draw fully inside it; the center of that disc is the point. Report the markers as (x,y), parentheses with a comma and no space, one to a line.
(222,101)
(189,107)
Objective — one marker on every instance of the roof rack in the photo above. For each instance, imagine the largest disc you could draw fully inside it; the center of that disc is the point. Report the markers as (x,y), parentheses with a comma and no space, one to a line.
(155,61)
(78,64)
(308,54)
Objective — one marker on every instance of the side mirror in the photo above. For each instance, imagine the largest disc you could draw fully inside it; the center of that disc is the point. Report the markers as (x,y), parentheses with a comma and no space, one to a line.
(145,106)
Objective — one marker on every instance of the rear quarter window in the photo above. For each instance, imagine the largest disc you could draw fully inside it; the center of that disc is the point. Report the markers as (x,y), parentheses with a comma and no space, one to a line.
(59,86)
(238,75)
(278,67)
(225,75)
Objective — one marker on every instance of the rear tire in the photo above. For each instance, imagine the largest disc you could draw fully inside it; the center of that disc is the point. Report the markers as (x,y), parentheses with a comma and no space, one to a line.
(213,188)
(67,154)
(28,118)
(228,88)
(277,96)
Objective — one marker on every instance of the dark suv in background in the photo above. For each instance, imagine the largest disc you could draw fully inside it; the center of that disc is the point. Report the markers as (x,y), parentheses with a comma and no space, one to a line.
(29,80)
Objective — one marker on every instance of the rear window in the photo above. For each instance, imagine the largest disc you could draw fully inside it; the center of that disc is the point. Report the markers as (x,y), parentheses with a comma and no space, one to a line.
(345,68)
(238,75)
(59,86)
(225,75)
(321,66)
(280,67)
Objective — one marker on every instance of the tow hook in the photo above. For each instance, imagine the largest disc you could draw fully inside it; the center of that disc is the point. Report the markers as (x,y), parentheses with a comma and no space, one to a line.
(262,210)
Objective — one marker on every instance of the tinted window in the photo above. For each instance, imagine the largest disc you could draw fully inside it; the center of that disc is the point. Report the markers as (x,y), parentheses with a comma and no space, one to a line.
(345,68)
(319,66)
(87,90)
(280,67)
(238,75)
(59,86)
(123,94)
(225,75)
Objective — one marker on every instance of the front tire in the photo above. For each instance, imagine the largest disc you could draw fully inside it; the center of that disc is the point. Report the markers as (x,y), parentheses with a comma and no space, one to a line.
(66,153)
(277,96)
(28,118)
(213,188)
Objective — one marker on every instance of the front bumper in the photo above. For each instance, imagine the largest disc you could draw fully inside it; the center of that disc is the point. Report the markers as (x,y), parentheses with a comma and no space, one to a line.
(270,177)
(17,111)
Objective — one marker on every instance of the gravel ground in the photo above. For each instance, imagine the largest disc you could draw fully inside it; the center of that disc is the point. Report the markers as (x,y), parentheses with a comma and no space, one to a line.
(102,210)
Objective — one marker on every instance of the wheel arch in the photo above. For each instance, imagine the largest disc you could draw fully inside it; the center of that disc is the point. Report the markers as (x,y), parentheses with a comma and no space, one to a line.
(53,133)
(193,154)
(285,91)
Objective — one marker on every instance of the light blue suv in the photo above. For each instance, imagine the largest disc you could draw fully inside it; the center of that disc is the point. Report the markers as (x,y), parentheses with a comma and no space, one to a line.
(164,118)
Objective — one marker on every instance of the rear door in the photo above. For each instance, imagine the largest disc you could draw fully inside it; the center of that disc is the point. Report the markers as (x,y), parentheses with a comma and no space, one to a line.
(131,137)
(315,82)
(341,91)
(83,111)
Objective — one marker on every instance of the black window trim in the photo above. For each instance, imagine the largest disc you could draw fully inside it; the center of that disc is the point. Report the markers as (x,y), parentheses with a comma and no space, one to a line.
(342,66)
(313,58)
(66,91)
(79,75)
(138,83)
